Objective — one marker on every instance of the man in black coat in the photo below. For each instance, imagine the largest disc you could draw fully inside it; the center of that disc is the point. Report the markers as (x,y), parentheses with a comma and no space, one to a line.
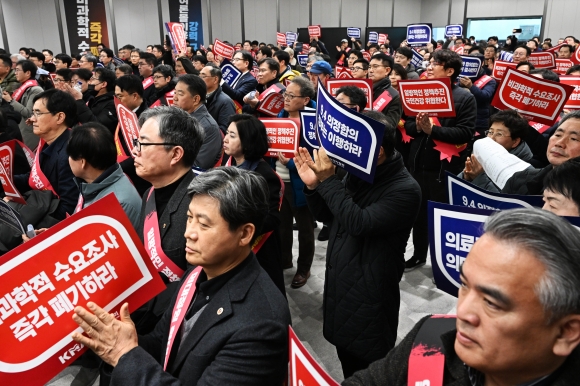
(385,98)
(234,328)
(243,61)
(510,330)
(371,224)
(218,104)
(425,163)
(102,108)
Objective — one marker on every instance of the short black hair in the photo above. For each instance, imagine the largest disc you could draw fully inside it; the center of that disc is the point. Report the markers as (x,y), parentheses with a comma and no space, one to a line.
(109,52)
(282,56)
(164,70)
(37,55)
(187,65)
(272,65)
(535,42)
(546,74)
(517,125)
(199,58)
(385,59)
(159,47)
(356,53)
(57,101)
(5,59)
(106,75)
(374,45)
(492,46)
(125,68)
(364,62)
(64,58)
(492,38)
(401,71)
(389,136)
(195,85)
(478,49)
(255,43)
(93,59)
(94,143)
(28,66)
(247,57)
(84,74)
(128,47)
(66,74)
(528,49)
(573,69)
(265,50)
(355,94)
(253,136)
(49,51)
(567,46)
(150,59)
(26,50)
(521,64)
(131,84)
(563,180)
(449,59)
(405,51)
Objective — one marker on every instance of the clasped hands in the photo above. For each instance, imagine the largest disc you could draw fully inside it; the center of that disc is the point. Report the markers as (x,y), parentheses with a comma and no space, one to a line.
(313,172)
(424,124)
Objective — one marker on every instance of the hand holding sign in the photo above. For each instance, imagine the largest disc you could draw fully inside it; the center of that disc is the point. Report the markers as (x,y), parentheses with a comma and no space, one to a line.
(108,337)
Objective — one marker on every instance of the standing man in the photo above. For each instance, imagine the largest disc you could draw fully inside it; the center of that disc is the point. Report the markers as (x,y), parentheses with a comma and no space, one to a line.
(386,98)
(243,61)
(146,65)
(371,224)
(219,105)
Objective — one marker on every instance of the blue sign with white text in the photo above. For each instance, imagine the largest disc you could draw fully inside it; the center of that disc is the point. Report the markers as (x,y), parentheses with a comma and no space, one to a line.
(291,37)
(454,30)
(230,74)
(373,37)
(351,140)
(463,193)
(302,60)
(308,124)
(417,59)
(470,67)
(419,34)
(353,32)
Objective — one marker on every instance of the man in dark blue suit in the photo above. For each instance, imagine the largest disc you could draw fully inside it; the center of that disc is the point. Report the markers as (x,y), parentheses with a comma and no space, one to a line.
(243,61)
(233,326)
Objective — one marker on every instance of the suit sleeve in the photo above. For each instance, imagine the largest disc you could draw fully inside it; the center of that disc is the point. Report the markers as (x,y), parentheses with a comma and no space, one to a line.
(464,127)
(238,94)
(211,147)
(272,220)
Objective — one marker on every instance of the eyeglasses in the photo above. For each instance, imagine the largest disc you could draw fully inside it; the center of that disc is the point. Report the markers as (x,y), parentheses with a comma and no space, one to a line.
(158,77)
(497,134)
(356,68)
(434,63)
(57,80)
(37,113)
(262,70)
(142,64)
(236,59)
(93,78)
(17,70)
(137,145)
(290,96)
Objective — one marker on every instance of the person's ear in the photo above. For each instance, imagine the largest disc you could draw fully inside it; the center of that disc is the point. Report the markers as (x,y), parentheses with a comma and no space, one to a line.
(61,118)
(381,151)
(246,232)
(177,155)
(569,335)
(516,143)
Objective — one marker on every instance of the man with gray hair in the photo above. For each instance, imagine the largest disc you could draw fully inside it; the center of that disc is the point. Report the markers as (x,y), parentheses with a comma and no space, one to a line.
(233,328)
(518,312)
(218,104)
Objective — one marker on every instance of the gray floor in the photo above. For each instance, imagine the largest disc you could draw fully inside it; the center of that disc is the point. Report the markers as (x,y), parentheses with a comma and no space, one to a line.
(419,297)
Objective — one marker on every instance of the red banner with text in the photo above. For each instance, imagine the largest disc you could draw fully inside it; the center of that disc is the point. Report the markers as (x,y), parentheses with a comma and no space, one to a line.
(500,68)
(573,102)
(222,49)
(283,136)
(542,59)
(562,65)
(432,96)
(314,31)
(304,370)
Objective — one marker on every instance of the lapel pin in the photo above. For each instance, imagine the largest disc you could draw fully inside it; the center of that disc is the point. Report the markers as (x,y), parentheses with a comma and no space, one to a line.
(220,311)
(164,226)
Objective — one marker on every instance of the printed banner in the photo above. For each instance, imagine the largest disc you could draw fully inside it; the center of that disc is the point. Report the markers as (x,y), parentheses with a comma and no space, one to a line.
(500,68)
(417,59)
(188,13)
(366,85)
(128,123)
(291,37)
(222,49)
(366,55)
(454,30)
(7,150)
(542,60)
(383,38)
(351,140)
(230,74)
(431,96)
(271,101)
(283,136)
(94,255)
(305,48)
(419,34)
(573,103)
(304,370)
(177,37)
(342,73)
(554,49)
(280,39)
(314,31)
(536,99)
(10,217)
(470,67)
(302,60)
(86,22)
(373,37)
(353,32)
(562,65)
(308,125)
(463,193)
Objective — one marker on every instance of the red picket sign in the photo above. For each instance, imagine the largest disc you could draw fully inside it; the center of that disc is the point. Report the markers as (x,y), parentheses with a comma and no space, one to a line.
(314,31)
(280,39)
(177,34)
(540,127)
(536,99)
(52,76)
(432,96)
(366,55)
(222,49)
(542,59)
(129,127)
(7,150)
(500,68)
(10,189)
(332,85)
(272,104)
(562,65)
(303,369)
(305,48)
(573,103)
(459,49)
(383,38)
(94,255)
(342,73)
(283,136)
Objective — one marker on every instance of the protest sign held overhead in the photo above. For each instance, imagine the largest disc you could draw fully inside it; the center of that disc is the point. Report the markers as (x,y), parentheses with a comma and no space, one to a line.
(222,49)
(291,37)
(419,34)
(8,186)
(383,38)
(542,60)
(230,74)
(562,65)
(366,55)
(305,48)
(573,103)
(470,67)
(304,370)
(129,128)
(454,30)
(351,140)
(536,99)
(366,85)
(353,32)
(95,255)
(417,59)
(314,31)
(432,96)
(308,125)
(373,37)
(463,193)
(500,68)
(177,37)
(283,136)
(280,39)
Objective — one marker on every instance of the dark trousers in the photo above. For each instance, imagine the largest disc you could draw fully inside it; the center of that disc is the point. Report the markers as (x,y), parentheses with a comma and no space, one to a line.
(305,223)
(432,189)
(350,363)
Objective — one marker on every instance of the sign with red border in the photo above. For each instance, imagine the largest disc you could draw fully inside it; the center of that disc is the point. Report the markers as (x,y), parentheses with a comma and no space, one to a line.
(542,59)
(314,31)
(283,136)
(177,35)
(562,65)
(500,68)
(280,39)
(573,103)
(342,73)
(304,370)
(432,96)
(222,49)
(129,124)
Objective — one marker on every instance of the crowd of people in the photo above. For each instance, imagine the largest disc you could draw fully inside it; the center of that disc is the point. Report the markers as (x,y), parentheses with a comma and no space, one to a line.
(239,208)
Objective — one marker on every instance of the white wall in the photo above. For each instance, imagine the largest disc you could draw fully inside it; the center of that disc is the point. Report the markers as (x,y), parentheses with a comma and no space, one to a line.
(326,12)
(225,20)
(487,8)
(293,15)
(380,13)
(561,17)
(260,21)
(435,12)
(131,16)
(406,12)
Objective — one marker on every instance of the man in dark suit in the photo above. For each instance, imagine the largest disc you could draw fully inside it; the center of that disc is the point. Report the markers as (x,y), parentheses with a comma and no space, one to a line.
(243,61)
(233,328)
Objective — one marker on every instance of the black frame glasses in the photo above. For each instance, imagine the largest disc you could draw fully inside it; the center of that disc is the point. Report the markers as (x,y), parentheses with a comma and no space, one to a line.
(137,144)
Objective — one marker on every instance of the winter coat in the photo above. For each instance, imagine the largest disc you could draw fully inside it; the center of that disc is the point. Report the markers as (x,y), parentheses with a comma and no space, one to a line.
(24,107)
(221,108)
(101,109)
(391,110)
(483,98)
(212,147)
(412,72)
(9,84)
(527,182)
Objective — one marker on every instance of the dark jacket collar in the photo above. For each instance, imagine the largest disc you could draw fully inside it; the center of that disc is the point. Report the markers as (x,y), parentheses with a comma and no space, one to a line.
(382,84)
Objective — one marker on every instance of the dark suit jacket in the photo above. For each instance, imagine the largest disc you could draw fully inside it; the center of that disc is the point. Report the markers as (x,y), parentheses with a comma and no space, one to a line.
(245,344)
(246,84)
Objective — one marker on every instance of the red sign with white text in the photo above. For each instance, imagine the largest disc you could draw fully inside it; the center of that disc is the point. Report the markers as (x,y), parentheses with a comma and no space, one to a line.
(500,68)
(432,96)
(305,48)
(7,150)
(573,102)
(280,39)
(383,38)
(283,136)
(304,370)
(314,31)
(536,99)
(562,65)
(128,123)
(222,49)
(542,59)
(271,101)
(576,56)
(332,85)
(94,255)
(366,55)
(177,34)
(342,73)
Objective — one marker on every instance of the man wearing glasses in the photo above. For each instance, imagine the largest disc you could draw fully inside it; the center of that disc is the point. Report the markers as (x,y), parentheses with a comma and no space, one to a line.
(89,62)
(360,69)
(385,98)
(218,104)
(243,61)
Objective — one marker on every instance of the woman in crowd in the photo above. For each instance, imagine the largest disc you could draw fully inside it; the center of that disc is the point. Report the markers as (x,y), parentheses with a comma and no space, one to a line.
(398,73)
(184,66)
